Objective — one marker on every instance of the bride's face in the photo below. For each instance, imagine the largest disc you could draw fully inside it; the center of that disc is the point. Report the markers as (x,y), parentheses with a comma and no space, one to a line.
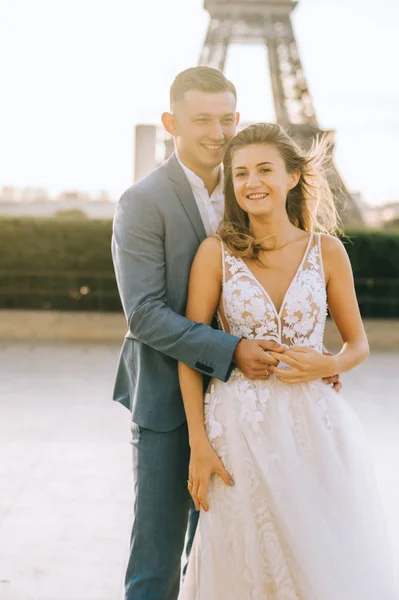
(260,179)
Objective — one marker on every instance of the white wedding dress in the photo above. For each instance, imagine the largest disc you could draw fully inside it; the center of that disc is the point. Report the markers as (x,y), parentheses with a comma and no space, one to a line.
(303,521)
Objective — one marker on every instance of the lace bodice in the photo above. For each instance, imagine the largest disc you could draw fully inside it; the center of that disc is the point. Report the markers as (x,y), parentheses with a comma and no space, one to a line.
(246,309)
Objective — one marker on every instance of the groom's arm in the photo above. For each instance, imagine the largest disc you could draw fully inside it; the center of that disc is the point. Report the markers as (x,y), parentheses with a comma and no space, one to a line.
(139,259)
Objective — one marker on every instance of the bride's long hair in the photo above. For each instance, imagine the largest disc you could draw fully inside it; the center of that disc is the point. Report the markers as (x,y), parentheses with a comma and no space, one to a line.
(310,204)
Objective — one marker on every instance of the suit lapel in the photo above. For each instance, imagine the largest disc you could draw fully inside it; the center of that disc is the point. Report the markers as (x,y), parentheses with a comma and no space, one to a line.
(185,194)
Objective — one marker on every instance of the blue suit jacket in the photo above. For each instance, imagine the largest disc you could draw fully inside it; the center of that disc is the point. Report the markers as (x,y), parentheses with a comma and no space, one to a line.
(156,234)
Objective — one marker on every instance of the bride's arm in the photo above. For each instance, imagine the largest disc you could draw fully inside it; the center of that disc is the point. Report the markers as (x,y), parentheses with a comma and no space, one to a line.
(308,364)
(204,292)
(343,305)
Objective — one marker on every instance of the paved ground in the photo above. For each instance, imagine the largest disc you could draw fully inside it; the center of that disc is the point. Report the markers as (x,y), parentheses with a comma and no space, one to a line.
(65,500)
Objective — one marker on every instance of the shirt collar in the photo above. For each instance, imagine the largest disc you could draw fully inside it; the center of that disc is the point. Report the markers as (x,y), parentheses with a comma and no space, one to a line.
(196,182)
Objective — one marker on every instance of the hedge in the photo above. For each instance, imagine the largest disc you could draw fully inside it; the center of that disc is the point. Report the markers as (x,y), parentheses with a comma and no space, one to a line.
(66,264)
(62,264)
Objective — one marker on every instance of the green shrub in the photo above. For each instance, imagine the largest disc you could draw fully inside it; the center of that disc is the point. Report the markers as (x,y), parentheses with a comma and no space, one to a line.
(373,253)
(66,244)
(375,262)
(71,214)
(61,264)
(66,264)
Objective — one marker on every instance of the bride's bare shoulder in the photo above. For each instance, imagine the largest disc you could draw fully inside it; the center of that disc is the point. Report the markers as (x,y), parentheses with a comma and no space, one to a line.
(335,256)
(210,252)
(331,245)
(211,247)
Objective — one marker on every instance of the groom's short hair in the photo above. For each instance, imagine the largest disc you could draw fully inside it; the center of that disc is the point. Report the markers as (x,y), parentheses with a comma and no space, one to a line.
(203,79)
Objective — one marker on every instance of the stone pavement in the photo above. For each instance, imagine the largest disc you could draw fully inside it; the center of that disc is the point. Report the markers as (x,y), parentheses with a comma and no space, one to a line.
(65,467)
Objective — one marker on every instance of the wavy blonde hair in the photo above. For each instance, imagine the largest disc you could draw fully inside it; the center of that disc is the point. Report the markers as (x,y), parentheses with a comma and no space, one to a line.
(310,204)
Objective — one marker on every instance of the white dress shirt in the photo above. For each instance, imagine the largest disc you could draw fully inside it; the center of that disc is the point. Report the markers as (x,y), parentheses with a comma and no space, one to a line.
(211,207)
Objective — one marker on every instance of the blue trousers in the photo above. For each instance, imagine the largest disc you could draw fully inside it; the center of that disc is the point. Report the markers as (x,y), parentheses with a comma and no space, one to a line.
(164,515)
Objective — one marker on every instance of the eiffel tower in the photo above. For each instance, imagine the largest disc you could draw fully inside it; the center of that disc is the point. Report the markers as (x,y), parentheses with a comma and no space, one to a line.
(268,22)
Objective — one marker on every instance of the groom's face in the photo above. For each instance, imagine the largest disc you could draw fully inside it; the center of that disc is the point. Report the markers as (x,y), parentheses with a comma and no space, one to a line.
(204,123)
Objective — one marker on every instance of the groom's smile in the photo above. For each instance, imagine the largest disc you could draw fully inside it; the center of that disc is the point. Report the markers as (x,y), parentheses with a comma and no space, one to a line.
(214,147)
(215,151)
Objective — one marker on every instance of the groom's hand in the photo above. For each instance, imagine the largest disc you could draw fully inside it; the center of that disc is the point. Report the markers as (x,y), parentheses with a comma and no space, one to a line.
(253,359)
(334,380)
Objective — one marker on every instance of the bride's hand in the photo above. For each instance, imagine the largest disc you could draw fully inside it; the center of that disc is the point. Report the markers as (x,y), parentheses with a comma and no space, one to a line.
(307,364)
(203,463)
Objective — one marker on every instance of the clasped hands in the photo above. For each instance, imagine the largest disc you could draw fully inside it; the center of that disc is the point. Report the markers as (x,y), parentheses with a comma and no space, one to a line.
(305,364)
(257,359)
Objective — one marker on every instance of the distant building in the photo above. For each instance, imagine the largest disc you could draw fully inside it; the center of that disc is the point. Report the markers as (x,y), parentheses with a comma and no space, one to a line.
(381,216)
(390,212)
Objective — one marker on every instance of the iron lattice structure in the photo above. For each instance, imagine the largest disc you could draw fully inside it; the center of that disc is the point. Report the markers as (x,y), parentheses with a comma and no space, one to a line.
(268,23)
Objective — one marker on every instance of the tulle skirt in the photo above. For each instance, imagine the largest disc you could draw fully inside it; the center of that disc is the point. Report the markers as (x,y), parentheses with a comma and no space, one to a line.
(303,521)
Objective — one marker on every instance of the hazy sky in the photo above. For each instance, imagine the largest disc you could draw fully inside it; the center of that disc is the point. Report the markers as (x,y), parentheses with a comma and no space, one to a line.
(77,75)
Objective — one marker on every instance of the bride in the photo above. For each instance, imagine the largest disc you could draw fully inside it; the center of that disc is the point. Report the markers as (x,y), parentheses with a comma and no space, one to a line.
(278,467)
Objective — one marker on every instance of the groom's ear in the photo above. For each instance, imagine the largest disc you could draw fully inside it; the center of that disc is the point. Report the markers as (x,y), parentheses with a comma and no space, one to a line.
(238,117)
(168,121)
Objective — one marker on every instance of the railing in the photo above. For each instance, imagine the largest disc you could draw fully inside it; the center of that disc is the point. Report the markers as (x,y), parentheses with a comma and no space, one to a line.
(97,291)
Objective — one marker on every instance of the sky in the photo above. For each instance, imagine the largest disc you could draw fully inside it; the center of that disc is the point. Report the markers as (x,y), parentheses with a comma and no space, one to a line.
(77,75)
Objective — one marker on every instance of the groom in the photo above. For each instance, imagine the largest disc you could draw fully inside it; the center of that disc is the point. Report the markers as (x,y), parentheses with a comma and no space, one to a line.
(159,224)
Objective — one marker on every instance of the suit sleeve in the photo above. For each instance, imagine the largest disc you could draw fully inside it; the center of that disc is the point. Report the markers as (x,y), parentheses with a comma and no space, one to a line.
(139,260)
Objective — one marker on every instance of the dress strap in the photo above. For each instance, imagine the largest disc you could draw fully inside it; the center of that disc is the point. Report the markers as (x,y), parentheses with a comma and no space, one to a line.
(223,258)
(223,263)
(220,313)
(320,255)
